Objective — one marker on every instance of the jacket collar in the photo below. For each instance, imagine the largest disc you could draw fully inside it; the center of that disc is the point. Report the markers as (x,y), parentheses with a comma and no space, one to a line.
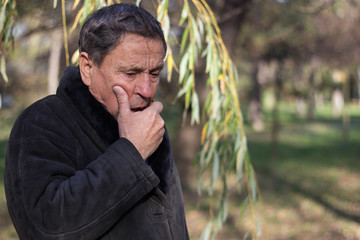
(102,124)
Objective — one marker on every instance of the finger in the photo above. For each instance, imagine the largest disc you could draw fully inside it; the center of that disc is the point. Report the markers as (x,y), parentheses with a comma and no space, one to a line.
(123,100)
(156,106)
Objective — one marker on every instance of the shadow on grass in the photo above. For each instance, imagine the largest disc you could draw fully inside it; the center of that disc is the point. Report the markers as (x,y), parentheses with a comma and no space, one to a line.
(316,197)
(3,146)
(312,164)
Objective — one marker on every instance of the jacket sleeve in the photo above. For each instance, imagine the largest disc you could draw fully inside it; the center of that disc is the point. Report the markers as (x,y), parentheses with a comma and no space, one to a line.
(49,198)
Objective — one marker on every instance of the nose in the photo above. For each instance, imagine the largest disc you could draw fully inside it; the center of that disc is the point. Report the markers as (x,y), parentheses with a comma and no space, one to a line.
(143,86)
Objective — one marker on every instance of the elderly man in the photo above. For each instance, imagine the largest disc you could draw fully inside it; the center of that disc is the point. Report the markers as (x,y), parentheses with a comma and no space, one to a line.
(94,161)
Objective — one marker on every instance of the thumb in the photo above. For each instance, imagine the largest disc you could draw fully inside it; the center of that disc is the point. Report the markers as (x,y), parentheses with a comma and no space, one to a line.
(123,100)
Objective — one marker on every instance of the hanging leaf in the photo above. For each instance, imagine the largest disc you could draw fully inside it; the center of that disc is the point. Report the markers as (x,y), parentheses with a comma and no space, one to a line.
(184,39)
(162,10)
(207,232)
(76,3)
(138,2)
(184,14)
(195,108)
(170,66)
(2,15)
(188,87)
(183,68)
(3,68)
(216,167)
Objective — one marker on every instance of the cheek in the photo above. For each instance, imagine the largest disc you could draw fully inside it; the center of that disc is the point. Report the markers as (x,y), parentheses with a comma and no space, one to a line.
(154,88)
(112,105)
(128,87)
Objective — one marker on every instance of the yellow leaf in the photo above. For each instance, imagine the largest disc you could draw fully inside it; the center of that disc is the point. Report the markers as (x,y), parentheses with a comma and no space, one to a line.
(75,56)
(203,133)
(76,3)
(76,21)
(3,68)
(170,63)
(228,115)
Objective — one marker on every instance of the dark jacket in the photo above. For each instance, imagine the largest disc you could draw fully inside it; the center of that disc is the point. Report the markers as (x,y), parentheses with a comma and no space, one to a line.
(68,175)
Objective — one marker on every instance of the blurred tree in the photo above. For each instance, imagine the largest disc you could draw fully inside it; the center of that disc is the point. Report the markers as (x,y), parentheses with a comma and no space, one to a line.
(223,139)
(7,21)
(305,35)
(292,47)
(224,149)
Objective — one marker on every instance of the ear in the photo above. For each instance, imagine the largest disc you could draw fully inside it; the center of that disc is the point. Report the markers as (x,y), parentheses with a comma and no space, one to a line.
(85,66)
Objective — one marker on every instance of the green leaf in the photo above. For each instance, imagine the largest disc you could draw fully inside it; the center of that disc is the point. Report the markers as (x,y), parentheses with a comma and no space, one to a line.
(243,207)
(162,8)
(196,33)
(207,103)
(214,70)
(205,235)
(216,166)
(181,92)
(191,50)
(184,39)
(183,67)
(3,16)
(184,14)
(210,152)
(3,69)
(188,94)
(138,2)
(195,112)
(252,182)
(200,24)
(258,228)
(9,34)
(209,57)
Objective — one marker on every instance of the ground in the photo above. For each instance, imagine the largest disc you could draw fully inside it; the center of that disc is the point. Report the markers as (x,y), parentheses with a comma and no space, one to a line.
(309,183)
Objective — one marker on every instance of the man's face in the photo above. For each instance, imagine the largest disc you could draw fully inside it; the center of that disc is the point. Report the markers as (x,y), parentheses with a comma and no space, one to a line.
(134,65)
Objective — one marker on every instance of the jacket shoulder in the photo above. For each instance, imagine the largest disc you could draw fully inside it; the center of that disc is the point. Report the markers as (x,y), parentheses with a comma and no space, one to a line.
(49,114)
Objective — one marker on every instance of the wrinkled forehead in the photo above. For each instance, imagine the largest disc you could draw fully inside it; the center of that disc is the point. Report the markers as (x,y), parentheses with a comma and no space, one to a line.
(137,38)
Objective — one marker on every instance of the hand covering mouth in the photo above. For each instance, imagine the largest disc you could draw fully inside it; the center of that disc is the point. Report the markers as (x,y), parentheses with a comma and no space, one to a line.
(140,108)
(140,104)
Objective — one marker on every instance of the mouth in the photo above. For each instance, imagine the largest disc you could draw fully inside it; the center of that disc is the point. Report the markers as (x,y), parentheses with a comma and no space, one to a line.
(138,109)
(140,104)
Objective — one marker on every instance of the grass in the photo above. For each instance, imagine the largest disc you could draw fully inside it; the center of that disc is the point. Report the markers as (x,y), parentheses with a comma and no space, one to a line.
(315,175)
(7,118)
(309,190)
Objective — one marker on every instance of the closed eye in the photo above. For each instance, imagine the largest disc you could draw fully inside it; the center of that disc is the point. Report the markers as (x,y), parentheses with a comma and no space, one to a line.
(155,74)
(131,73)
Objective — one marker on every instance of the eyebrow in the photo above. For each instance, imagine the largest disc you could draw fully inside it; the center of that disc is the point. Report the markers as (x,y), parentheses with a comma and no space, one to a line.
(159,67)
(138,69)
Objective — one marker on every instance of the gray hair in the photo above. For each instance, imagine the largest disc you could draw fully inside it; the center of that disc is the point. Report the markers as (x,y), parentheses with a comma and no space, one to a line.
(102,30)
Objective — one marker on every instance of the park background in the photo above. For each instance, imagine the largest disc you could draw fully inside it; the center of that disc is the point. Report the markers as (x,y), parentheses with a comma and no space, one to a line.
(299,83)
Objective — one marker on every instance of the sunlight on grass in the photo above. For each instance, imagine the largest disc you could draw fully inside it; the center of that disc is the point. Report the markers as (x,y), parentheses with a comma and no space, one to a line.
(312,181)
(7,118)
(308,191)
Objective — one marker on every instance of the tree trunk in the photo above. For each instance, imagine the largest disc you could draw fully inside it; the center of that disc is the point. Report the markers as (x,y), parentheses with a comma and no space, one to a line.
(187,143)
(358,84)
(337,100)
(275,128)
(311,96)
(54,60)
(254,113)
(346,115)
(232,14)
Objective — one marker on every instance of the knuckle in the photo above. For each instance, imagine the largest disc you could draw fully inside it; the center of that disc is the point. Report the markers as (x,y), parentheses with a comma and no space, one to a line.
(162,122)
